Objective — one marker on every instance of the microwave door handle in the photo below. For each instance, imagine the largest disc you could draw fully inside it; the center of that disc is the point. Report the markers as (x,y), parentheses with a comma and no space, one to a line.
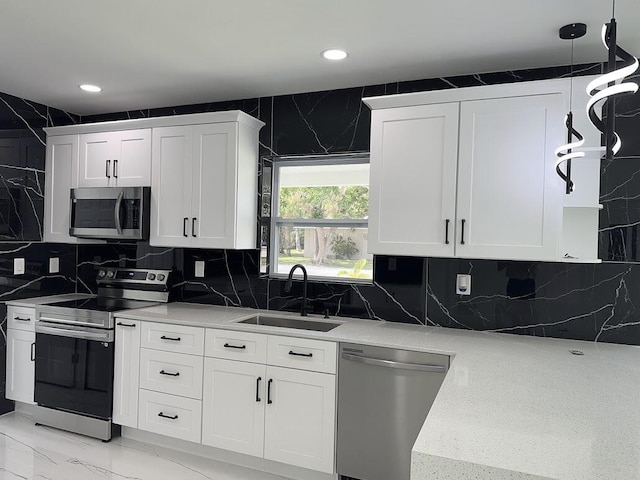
(117,212)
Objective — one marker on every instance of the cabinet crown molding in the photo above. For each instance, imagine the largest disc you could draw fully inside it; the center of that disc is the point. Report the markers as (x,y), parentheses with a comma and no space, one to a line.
(168,121)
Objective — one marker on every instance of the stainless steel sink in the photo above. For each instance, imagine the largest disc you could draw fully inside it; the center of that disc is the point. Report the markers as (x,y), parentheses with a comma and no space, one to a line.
(291,322)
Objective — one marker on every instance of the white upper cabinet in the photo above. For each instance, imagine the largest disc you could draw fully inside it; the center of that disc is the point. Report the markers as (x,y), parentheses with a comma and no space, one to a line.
(60,178)
(204,185)
(508,191)
(470,173)
(115,159)
(413,179)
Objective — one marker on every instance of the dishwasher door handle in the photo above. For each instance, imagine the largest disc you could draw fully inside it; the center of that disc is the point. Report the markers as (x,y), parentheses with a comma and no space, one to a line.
(391,364)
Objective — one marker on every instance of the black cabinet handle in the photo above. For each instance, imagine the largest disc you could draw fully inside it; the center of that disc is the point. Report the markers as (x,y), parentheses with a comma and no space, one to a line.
(258,399)
(107,167)
(126,324)
(33,352)
(174,417)
(22,319)
(193,227)
(269,402)
(446,231)
(462,234)
(184,226)
(296,354)
(177,374)
(115,169)
(239,347)
(163,337)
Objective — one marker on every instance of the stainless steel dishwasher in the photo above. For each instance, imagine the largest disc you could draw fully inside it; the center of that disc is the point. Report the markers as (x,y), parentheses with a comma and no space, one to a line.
(384,395)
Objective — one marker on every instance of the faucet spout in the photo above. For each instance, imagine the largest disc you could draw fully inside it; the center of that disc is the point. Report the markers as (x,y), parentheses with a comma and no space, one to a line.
(287,286)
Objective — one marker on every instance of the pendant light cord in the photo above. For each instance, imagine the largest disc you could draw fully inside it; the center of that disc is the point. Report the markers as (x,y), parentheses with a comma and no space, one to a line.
(571,80)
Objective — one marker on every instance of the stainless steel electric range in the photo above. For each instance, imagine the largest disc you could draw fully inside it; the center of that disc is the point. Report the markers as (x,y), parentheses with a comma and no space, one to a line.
(75,350)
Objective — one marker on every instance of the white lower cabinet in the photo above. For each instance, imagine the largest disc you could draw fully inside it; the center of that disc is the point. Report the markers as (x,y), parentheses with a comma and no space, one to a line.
(20,365)
(170,415)
(300,420)
(233,405)
(275,399)
(126,373)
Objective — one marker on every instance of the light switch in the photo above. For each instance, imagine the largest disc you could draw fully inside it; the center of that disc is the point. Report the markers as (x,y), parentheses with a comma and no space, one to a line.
(463,284)
(54,265)
(199,269)
(18,266)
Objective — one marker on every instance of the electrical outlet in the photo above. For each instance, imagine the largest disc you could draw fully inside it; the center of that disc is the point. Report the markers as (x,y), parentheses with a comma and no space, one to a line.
(199,269)
(54,265)
(463,284)
(18,266)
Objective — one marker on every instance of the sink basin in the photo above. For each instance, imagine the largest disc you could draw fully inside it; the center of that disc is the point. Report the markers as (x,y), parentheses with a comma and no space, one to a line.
(291,322)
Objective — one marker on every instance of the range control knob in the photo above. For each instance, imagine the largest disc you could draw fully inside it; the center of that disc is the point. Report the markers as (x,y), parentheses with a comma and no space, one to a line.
(161,277)
(110,274)
(151,276)
(101,274)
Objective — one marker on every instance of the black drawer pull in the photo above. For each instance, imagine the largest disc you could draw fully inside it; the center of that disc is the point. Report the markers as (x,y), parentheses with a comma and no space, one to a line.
(296,354)
(239,347)
(184,226)
(177,374)
(20,319)
(107,167)
(164,337)
(258,399)
(126,324)
(175,417)
(462,234)
(33,352)
(269,402)
(193,227)
(115,168)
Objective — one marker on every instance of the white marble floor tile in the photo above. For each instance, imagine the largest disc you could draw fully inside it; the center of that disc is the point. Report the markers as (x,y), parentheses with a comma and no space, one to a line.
(28,452)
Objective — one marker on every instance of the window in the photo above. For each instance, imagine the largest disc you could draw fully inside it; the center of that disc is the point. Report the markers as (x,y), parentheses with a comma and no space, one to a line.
(319,217)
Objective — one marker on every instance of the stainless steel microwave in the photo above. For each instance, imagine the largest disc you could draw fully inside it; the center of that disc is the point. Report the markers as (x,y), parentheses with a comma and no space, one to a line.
(110,213)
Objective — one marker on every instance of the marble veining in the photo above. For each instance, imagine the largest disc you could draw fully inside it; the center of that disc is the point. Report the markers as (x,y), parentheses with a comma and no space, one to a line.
(30,452)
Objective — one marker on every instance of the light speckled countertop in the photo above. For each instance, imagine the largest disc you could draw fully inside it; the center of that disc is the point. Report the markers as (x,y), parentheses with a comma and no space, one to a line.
(32,302)
(511,407)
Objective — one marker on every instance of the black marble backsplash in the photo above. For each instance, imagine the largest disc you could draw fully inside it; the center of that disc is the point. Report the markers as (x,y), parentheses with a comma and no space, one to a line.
(594,302)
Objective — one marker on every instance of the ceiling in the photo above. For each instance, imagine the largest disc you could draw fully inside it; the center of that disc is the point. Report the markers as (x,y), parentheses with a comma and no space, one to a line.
(154,53)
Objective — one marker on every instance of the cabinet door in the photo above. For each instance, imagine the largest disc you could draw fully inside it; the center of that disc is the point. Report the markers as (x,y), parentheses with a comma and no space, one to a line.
(214,185)
(61,176)
(20,365)
(508,191)
(131,165)
(96,159)
(413,179)
(126,373)
(300,418)
(233,405)
(171,187)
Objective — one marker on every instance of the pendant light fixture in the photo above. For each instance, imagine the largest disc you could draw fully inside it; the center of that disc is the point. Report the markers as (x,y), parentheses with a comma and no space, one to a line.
(610,85)
(566,153)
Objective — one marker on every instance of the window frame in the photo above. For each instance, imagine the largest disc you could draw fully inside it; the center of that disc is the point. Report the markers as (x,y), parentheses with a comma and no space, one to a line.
(275,221)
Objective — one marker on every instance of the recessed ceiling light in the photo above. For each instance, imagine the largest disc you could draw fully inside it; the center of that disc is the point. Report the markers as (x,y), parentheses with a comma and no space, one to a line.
(90,88)
(334,54)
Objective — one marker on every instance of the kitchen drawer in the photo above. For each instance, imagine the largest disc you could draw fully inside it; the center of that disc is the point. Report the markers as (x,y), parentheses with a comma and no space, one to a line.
(230,345)
(302,353)
(172,338)
(169,415)
(21,318)
(173,373)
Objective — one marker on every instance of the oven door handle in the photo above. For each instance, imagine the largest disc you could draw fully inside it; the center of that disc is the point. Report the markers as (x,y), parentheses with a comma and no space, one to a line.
(59,321)
(117,212)
(99,336)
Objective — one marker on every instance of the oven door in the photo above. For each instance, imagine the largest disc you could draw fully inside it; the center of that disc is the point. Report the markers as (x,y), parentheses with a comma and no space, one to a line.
(120,213)
(74,374)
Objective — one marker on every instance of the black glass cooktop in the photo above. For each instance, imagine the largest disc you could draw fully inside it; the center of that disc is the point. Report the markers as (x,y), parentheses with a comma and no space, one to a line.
(103,304)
